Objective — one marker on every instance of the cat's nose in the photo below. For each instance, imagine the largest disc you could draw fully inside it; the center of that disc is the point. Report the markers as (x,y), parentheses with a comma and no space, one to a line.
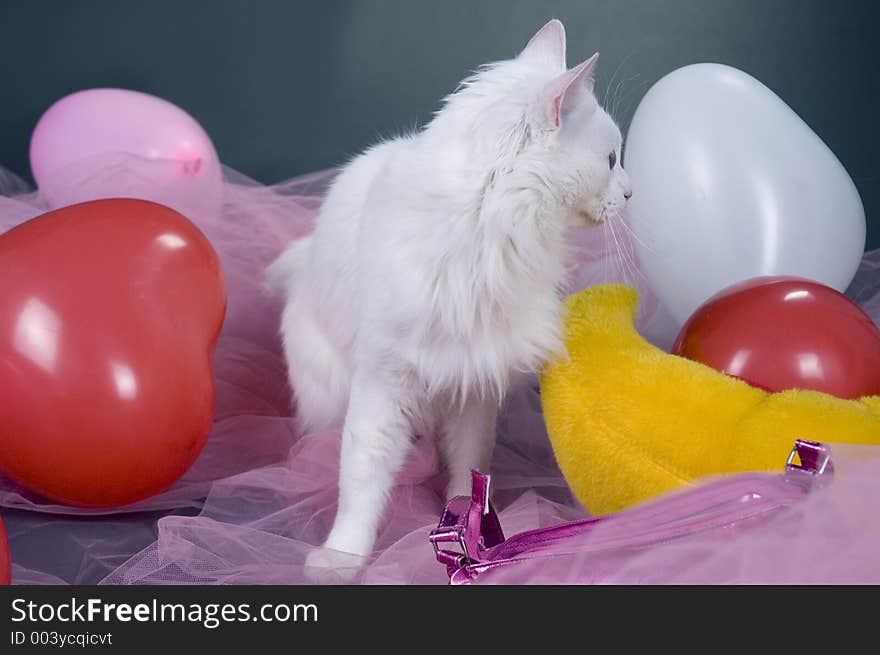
(627,194)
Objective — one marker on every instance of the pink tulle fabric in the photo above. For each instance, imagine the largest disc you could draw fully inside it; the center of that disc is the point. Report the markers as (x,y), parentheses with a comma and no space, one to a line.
(260,496)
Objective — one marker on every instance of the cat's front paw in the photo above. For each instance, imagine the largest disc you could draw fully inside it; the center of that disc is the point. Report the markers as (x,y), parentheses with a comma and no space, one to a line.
(327,566)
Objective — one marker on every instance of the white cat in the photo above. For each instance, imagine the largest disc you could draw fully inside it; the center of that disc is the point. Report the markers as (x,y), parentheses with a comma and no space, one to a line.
(433,277)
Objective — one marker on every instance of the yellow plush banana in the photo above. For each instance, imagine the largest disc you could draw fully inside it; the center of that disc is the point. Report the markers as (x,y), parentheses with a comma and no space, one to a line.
(628,421)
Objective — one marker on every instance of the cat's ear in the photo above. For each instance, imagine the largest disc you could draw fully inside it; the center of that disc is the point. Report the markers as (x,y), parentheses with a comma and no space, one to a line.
(563,93)
(547,46)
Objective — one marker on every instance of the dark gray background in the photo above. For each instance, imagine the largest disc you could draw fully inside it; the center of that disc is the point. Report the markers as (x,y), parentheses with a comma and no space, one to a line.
(289,87)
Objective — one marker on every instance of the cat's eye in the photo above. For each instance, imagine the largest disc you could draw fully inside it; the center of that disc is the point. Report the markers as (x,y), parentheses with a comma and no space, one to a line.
(612,160)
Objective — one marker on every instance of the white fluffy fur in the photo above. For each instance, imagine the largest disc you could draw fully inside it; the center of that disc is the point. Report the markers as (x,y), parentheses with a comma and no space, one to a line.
(433,277)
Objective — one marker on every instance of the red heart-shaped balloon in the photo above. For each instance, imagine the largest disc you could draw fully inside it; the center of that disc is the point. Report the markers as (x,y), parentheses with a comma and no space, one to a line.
(109,313)
(781,332)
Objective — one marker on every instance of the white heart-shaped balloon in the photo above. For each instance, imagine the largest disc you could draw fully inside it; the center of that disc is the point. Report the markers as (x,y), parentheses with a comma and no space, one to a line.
(728,184)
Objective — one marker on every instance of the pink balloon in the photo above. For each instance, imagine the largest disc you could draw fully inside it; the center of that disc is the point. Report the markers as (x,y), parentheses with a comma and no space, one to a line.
(154,149)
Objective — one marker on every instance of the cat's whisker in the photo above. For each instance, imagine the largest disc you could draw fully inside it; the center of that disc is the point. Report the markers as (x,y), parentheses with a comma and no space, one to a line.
(616,71)
(615,96)
(629,254)
(620,96)
(605,256)
(629,267)
(611,83)
(619,262)
(615,99)
(631,233)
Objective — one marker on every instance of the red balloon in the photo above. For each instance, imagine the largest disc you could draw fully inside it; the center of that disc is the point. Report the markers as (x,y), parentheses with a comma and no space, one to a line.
(109,313)
(5,560)
(781,333)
